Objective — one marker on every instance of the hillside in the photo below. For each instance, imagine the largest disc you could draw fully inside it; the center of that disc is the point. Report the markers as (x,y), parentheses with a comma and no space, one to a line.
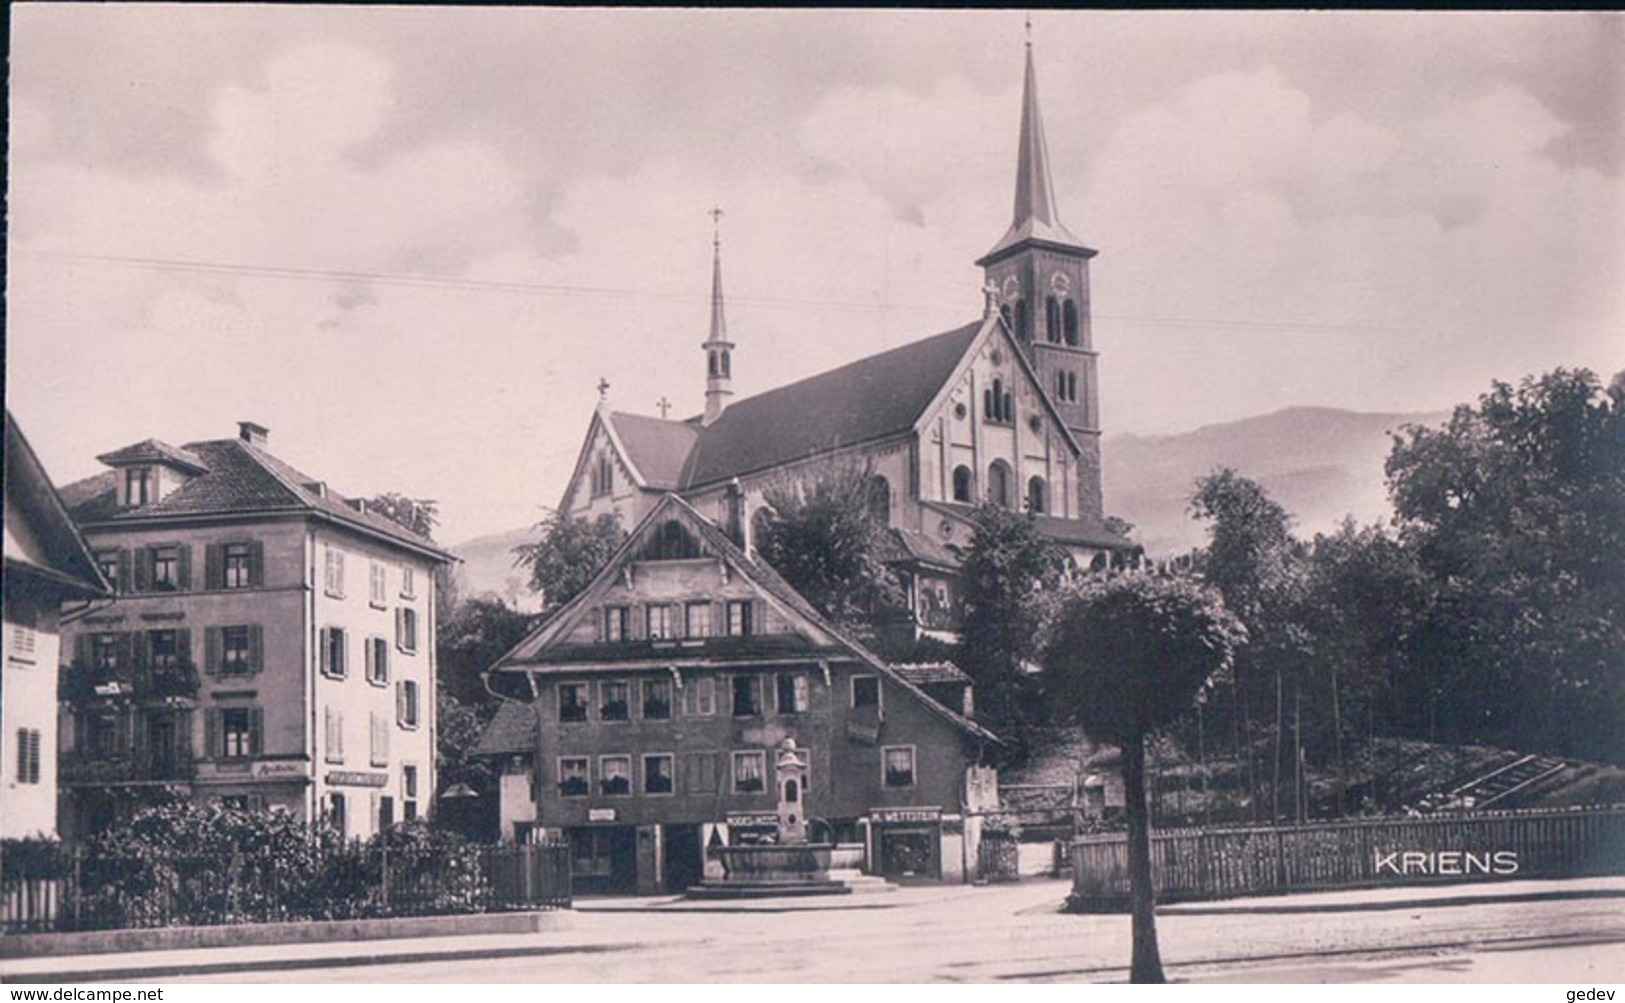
(1320,463)
(487,568)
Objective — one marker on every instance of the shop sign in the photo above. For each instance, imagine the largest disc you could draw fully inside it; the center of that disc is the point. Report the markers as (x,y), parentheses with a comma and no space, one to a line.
(745,819)
(293,770)
(600,814)
(355,778)
(885,816)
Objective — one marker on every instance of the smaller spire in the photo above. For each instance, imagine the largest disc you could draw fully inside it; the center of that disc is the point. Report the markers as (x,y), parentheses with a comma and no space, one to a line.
(718,349)
(719,321)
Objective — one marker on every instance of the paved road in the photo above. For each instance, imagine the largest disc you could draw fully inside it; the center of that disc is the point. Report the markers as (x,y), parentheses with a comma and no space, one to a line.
(995,934)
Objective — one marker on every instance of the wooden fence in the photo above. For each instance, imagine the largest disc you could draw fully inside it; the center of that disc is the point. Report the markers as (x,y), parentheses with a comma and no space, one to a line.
(1200,864)
(102,893)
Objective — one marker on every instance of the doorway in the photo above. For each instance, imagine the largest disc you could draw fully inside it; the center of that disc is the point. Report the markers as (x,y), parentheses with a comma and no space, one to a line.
(685,856)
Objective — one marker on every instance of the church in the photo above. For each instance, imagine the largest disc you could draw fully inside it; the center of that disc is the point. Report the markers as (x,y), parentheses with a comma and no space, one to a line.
(1003,410)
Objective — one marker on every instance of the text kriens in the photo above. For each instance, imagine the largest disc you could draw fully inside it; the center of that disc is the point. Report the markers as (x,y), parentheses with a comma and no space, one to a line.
(1447,862)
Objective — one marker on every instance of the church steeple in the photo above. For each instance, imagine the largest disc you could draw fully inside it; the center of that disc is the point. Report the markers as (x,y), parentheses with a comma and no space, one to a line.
(718,349)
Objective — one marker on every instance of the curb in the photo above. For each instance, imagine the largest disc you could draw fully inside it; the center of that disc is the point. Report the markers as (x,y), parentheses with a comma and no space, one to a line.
(1286,909)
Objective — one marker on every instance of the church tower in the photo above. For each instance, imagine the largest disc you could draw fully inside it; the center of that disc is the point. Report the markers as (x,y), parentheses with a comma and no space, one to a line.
(1040,273)
(718,349)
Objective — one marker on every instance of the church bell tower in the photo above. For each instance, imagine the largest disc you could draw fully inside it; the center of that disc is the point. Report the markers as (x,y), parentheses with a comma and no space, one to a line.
(1039,274)
(718,349)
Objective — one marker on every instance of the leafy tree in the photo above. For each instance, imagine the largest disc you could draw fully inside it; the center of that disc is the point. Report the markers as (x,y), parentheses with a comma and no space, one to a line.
(1516,510)
(825,540)
(569,555)
(420,515)
(474,635)
(1128,655)
(1007,582)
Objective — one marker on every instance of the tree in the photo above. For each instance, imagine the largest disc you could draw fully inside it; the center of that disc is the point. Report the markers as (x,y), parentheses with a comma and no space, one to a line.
(475,634)
(569,555)
(1516,510)
(420,515)
(1007,583)
(826,540)
(1128,655)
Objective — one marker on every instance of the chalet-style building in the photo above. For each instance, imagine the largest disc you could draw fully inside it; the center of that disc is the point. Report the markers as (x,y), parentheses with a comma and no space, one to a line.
(271,643)
(648,710)
(47,568)
(1005,409)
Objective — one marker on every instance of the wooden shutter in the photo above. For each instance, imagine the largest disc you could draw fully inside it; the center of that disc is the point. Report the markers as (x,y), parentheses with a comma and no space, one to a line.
(256,563)
(400,628)
(214,568)
(81,650)
(256,648)
(126,651)
(183,646)
(139,648)
(183,567)
(211,733)
(400,702)
(323,653)
(370,658)
(124,563)
(256,731)
(143,567)
(211,650)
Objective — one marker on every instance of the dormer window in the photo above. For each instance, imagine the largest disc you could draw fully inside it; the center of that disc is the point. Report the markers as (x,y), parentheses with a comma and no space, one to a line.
(138,485)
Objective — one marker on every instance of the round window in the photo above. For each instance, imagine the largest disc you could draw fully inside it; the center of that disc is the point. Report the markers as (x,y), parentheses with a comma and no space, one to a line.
(1035,423)
(960,411)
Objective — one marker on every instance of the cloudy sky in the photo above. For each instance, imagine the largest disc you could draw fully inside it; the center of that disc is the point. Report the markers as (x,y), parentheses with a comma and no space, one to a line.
(411,240)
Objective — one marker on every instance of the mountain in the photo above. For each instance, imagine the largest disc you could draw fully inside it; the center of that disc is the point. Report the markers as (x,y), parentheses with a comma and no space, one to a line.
(488,568)
(1321,464)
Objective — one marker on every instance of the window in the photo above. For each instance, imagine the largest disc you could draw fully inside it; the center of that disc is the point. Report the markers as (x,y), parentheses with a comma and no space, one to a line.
(236,733)
(572,701)
(750,772)
(1037,496)
(378,730)
(409,583)
(1066,387)
(24,641)
(377,650)
(333,573)
(1022,330)
(700,772)
(237,565)
(105,651)
(962,488)
(163,648)
(879,500)
(28,755)
(337,814)
(603,475)
(747,696)
(237,651)
(573,777)
(615,775)
(111,563)
(998,483)
(615,623)
(406,629)
(409,792)
(616,704)
(333,652)
(377,585)
(137,485)
(739,617)
(406,703)
(792,691)
(333,731)
(386,811)
(697,619)
(657,699)
(660,622)
(705,696)
(865,691)
(1052,320)
(104,736)
(897,768)
(998,403)
(659,771)
(165,569)
(1070,318)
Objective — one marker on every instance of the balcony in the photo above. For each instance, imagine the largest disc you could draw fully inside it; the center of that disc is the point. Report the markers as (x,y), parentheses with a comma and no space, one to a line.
(85,684)
(166,766)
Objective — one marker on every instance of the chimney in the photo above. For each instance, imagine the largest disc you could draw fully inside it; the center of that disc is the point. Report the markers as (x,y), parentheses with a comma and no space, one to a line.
(738,525)
(253,434)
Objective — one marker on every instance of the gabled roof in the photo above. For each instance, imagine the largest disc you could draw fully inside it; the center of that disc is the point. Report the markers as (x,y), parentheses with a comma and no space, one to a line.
(656,447)
(528,655)
(64,567)
(863,401)
(236,478)
(512,732)
(155,451)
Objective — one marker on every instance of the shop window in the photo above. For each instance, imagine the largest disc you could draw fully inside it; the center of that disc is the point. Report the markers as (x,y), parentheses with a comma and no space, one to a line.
(573,777)
(657,699)
(615,775)
(572,701)
(617,701)
(750,772)
(658,773)
(898,766)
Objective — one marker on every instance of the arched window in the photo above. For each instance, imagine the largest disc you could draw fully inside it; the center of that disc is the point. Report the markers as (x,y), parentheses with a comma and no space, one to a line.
(1009,318)
(1072,386)
(1022,331)
(998,404)
(880,500)
(998,483)
(603,477)
(727,363)
(1070,313)
(715,367)
(962,484)
(1052,319)
(1037,496)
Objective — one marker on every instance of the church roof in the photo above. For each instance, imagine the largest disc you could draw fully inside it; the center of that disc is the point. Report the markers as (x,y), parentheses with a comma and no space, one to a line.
(657,447)
(862,401)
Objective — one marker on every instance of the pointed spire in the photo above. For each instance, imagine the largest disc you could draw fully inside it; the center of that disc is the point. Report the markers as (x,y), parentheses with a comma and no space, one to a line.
(718,349)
